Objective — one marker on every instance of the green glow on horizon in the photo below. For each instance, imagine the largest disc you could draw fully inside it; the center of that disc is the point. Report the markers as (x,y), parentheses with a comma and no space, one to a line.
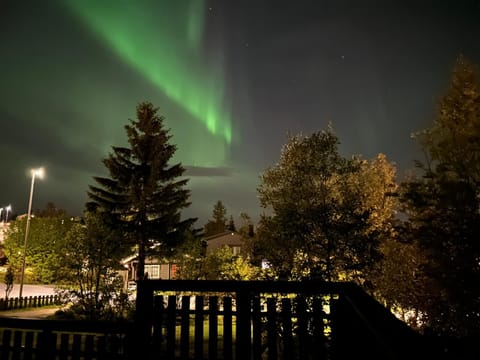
(164,47)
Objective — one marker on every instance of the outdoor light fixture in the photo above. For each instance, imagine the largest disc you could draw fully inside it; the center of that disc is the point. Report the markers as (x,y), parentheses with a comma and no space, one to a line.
(7,210)
(35,173)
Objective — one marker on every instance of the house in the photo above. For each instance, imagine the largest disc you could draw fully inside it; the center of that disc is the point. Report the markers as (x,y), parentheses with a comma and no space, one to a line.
(155,268)
(160,268)
(227,238)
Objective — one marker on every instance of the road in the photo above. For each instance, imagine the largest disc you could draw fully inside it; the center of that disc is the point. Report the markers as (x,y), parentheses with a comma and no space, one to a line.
(29,290)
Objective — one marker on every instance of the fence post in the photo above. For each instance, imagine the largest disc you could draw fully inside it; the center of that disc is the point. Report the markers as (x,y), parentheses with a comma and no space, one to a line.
(47,344)
(243,343)
(143,319)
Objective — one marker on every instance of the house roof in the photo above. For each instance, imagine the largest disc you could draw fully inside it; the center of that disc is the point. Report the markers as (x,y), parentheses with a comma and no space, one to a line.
(227,238)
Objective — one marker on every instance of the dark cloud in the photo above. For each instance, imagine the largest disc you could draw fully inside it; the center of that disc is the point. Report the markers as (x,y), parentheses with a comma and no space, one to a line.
(208,171)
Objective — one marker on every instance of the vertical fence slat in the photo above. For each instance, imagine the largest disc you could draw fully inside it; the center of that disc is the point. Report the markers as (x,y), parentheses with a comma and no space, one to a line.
(64,342)
(76,347)
(318,319)
(227,328)
(157,323)
(47,344)
(6,338)
(257,328)
(17,345)
(287,329)
(102,347)
(272,328)
(185,328)
(199,327)
(302,327)
(171,324)
(143,318)
(243,343)
(212,327)
(89,351)
(29,344)
(5,348)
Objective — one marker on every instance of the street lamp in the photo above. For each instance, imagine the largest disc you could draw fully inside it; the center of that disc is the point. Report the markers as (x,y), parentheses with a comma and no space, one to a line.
(7,210)
(35,172)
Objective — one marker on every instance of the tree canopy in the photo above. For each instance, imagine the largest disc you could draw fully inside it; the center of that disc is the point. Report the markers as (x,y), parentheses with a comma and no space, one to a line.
(90,264)
(443,207)
(46,239)
(327,212)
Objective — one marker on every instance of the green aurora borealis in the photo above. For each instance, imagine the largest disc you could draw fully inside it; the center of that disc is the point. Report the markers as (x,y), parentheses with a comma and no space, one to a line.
(170,57)
(231,78)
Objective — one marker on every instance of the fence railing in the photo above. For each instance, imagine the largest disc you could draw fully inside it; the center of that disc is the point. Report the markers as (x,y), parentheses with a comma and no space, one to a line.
(267,320)
(239,320)
(28,302)
(62,339)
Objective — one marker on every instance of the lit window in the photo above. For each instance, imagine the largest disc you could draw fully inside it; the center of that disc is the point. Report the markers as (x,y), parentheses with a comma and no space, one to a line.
(236,250)
(153,271)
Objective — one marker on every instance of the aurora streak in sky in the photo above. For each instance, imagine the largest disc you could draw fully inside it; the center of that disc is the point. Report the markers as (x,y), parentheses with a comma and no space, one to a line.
(231,78)
(169,56)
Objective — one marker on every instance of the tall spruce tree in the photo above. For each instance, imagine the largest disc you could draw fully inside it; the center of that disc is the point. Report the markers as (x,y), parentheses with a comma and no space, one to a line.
(144,194)
(218,223)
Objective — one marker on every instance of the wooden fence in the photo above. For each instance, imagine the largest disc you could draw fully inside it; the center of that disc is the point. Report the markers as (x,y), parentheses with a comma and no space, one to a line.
(28,302)
(267,320)
(239,320)
(60,339)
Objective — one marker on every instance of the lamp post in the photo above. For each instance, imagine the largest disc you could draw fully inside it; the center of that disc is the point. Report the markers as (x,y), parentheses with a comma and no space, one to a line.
(35,172)
(7,210)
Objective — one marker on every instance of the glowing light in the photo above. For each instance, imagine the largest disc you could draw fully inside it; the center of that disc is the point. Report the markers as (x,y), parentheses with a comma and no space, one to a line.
(162,42)
(40,172)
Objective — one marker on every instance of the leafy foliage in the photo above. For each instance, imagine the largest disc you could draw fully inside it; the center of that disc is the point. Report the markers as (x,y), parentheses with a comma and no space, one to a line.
(220,264)
(327,212)
(90,265)
(144,194)
(8,281)
(44,246)
(443,207)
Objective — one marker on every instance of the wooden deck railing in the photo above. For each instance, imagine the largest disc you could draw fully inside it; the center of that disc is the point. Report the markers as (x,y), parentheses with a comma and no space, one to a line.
(267,320)
(62,339)
(240,320)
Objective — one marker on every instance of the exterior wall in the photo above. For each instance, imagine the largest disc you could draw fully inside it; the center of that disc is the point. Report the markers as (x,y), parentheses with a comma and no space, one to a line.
(3,229)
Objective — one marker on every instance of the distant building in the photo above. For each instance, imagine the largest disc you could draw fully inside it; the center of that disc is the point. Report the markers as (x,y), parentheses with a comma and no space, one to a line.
(155,268)
(3,229)
(228,238)
(161,268)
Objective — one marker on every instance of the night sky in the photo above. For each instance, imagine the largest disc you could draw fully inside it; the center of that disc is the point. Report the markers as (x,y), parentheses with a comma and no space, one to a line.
(232,78)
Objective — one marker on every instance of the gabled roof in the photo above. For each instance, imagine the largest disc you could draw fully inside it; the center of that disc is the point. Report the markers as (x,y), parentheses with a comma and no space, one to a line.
(227,238)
